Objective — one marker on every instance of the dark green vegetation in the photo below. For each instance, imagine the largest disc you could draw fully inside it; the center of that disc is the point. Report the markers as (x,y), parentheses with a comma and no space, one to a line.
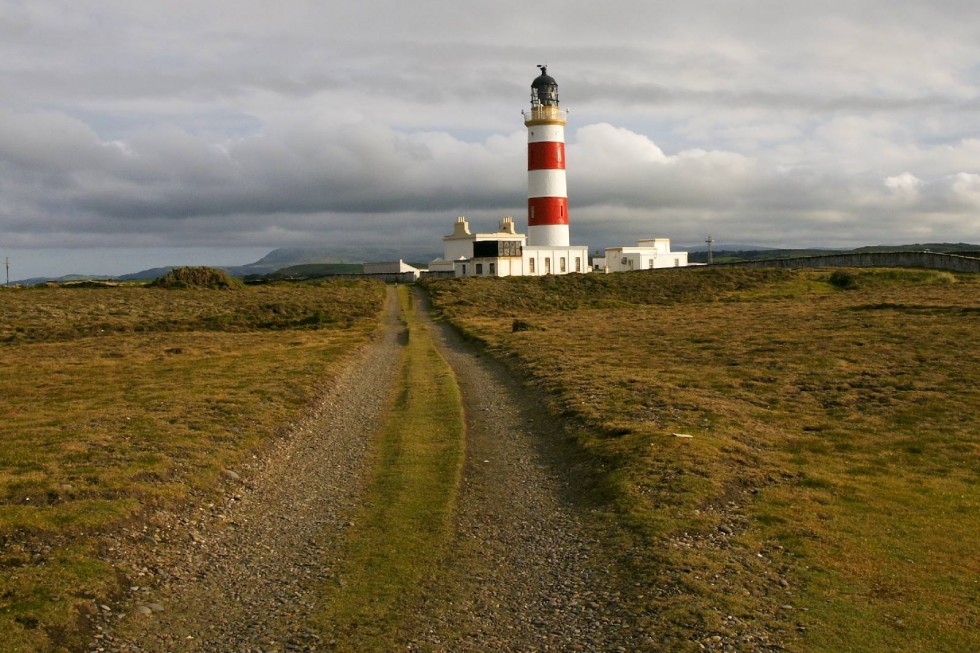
(792,457)
(406,525)
(196,277)
(307,271)
(123,400)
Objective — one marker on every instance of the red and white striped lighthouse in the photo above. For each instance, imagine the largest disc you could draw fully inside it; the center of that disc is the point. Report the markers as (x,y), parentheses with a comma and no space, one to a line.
(547,194)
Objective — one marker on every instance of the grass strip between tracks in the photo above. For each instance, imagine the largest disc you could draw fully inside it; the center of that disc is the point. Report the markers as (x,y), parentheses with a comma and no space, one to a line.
(405,525)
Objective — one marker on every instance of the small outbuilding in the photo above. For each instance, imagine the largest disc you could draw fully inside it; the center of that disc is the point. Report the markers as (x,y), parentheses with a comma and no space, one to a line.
(649,254)
(393,271)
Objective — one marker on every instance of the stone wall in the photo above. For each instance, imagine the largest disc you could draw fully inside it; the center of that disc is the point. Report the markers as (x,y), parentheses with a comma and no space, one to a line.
(933,260)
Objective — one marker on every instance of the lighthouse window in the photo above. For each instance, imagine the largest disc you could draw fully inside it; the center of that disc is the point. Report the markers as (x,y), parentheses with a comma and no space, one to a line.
(479,268)
(578,263)
(493,268)
(561,264)
(547,265)
(530,265)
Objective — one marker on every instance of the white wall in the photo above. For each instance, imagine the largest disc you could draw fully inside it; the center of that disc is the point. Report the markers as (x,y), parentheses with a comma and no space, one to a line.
(490,267)
(548,260)
(457,248)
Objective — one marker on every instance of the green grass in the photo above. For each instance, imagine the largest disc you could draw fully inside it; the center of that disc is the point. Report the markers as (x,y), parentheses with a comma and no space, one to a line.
(405,526)
(835,431)
(116,402)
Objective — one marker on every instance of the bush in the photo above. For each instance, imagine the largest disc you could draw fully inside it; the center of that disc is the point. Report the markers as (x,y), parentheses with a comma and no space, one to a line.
(523,325)
(843,279)
(197,277)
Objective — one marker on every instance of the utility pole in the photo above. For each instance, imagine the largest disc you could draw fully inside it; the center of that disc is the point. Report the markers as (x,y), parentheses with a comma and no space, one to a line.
(710,241)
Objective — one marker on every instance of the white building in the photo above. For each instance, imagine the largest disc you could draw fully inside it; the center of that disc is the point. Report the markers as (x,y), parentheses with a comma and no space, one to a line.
(462,246)
(505,253)
(598,261)
(391,267)
(648,254)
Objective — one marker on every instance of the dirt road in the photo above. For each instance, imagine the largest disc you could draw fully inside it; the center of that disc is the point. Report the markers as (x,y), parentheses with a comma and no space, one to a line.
(525,574)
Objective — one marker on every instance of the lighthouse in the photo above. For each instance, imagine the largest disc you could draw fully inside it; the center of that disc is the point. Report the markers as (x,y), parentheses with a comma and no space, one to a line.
(545,250)
(547,194)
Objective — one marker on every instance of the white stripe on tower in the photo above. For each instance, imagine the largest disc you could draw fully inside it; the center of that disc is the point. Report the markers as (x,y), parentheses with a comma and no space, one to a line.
(547,194)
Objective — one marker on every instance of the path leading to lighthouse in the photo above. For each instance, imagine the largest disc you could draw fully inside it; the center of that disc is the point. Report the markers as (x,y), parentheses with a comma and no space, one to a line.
(524,572)
(246,574)
(527,573)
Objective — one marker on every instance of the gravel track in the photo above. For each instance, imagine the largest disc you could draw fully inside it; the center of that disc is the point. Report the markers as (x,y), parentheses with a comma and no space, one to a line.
(525,573)
(244,575)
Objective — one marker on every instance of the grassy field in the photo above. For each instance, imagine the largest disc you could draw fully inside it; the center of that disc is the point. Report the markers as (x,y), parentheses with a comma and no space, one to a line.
(403,531)
(119,401)
(797,454)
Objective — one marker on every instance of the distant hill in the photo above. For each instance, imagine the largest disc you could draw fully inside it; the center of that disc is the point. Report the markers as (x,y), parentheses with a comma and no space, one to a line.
(277,259)
(310,271)
(942,248)
(287,257)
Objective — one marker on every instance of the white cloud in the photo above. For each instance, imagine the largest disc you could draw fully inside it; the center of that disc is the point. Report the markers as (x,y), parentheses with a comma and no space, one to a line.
(904,187)
(966,190)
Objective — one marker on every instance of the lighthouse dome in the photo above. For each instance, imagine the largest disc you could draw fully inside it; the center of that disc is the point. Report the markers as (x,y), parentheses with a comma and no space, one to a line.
(544,79)
(544,88)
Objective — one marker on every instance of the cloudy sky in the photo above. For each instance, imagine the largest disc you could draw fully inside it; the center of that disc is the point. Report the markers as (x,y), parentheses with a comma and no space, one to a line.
(216,130)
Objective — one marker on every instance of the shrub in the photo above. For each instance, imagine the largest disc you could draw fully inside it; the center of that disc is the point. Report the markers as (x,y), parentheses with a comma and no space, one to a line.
(523,325)
(843,279)
(197,277)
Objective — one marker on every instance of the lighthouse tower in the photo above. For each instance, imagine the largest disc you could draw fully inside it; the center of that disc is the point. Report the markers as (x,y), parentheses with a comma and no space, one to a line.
(547,195)
(546,249)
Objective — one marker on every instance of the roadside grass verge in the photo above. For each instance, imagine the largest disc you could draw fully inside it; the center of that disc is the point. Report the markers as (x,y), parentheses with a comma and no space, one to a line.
(403,530)
(116,403)
(828,496)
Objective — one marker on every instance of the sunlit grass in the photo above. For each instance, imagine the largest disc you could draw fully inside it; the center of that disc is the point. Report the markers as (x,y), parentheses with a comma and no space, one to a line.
(836,431)
(402,533)
(118,401)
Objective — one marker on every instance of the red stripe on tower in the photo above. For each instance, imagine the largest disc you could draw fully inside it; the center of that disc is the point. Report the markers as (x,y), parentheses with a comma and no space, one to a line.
(543,211)
(547,194)
(546,156)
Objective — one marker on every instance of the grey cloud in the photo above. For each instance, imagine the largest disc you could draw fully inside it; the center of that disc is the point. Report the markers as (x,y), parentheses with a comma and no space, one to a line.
(229,122)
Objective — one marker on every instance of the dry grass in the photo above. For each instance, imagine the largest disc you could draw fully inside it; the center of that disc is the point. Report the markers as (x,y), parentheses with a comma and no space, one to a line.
(115,401)
(835,433)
